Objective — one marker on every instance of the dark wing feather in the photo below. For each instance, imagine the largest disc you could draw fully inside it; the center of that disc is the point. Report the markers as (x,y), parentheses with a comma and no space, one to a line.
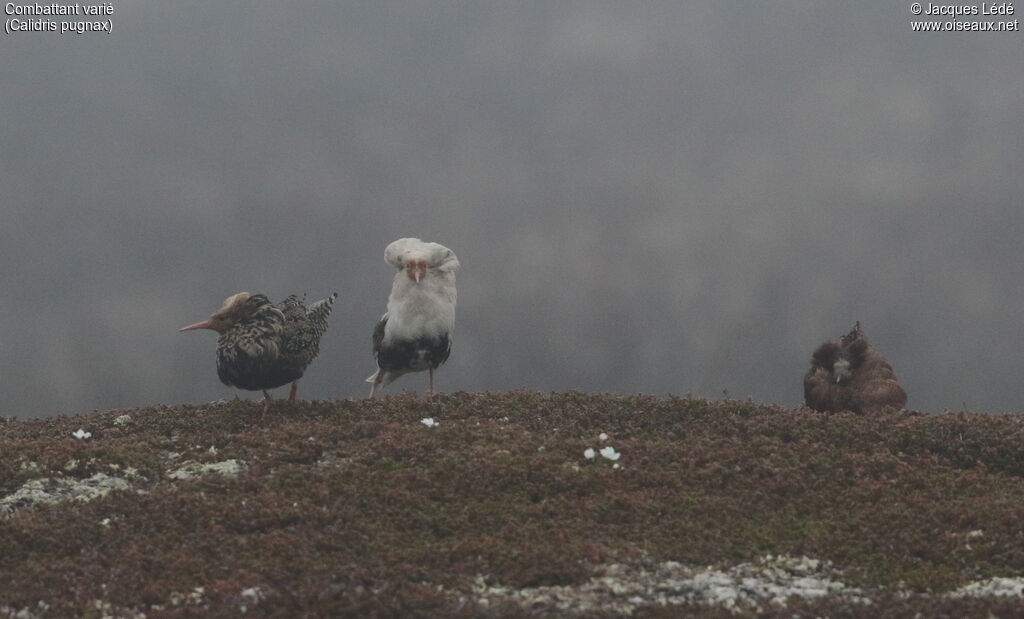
(444,350)
(378,335)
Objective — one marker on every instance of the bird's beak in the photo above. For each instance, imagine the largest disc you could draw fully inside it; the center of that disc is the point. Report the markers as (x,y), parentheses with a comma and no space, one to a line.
(838,378)
(417,269)
(199,325)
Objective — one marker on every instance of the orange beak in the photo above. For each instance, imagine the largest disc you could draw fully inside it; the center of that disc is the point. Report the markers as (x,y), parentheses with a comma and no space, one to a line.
(199,325)
(417,269)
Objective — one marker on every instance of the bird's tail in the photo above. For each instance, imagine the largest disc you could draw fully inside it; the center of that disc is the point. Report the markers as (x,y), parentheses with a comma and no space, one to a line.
(319,311)
(322,308)
(385,377)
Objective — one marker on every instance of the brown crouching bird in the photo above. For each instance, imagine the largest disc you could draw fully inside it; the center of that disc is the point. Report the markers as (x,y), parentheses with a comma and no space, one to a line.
(850,375)
(264,345)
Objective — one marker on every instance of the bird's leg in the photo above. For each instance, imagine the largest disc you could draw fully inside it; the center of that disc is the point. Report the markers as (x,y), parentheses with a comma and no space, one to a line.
(430,384)
(295,388)
(266,401)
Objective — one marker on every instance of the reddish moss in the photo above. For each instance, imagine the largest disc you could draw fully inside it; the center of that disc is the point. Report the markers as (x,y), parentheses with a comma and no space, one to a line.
(354,507)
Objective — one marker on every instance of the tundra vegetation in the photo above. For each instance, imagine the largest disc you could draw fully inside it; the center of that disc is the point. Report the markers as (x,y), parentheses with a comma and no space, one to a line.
(504,504)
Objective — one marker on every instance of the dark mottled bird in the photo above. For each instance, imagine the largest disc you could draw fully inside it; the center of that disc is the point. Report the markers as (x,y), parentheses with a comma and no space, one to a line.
(850,375)
(263,345)
(415,334)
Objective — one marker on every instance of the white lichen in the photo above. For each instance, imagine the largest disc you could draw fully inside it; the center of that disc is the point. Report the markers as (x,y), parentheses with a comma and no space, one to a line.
(191,469)
(56,489)
(621,588)
(26,612)
(195,597)
(250,598)
(993,587)
(108,610)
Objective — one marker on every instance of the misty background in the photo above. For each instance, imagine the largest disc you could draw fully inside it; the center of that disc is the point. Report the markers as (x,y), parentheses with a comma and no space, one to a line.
(657,197)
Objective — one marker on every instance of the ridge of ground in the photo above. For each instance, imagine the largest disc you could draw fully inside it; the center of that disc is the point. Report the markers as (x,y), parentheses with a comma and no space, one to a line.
(503,504)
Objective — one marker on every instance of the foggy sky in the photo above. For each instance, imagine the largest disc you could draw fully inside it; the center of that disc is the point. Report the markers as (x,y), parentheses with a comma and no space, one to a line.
(658,197)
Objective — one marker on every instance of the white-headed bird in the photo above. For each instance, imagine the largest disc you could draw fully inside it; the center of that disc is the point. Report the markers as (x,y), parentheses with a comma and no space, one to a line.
(263,345)
(415,333)
(850,375)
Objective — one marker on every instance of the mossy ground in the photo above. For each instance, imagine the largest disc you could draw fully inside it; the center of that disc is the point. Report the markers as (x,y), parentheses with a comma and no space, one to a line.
(355,507)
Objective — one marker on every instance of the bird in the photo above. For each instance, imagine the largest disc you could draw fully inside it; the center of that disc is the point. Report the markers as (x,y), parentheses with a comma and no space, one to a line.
(264,345)
(415,333)
(850,375)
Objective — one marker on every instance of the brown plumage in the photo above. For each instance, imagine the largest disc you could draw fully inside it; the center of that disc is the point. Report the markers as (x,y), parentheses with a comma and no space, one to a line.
(850,375)
(263,345)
